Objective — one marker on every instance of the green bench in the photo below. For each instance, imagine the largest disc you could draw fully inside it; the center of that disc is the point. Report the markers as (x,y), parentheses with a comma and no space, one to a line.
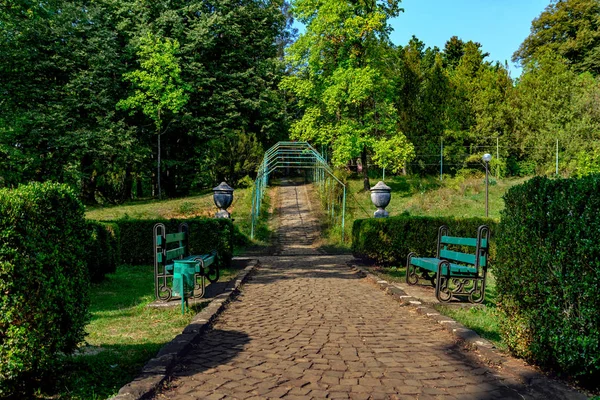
(176,272)
(458,269)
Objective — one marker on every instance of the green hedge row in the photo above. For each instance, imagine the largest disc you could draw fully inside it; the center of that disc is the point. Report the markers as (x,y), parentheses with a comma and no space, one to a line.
(103,250)
(548,273)
(43,281)
(389,240)
(136,238)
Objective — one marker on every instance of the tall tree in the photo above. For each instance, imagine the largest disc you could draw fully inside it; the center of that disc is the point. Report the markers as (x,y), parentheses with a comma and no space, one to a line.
(571,29)
(158,87)
(60,65)
(552,103)
(342,79)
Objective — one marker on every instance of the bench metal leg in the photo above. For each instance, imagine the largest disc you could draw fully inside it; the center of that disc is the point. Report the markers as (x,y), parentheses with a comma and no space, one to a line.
(183,297)
(411,271)
(477,294)
(200,287)
(442,283)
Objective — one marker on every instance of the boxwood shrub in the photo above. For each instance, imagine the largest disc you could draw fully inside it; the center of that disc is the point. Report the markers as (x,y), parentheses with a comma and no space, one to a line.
(205,235)
(103,251)
(548,273)
(389,240)
(43,281)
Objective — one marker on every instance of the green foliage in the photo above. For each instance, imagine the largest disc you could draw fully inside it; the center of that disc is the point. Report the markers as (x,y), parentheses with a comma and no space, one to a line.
(103,249)
(205,235)
(392,153)
(158,84)
(60,83)
(547,273)
(569,28)
(44,281)
(341,81)
(62,68)
(587,163)
(389,240)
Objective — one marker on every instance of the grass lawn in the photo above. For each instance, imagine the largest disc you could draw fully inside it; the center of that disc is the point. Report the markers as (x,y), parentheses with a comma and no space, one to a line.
(122,336)
(453,197)
(457,197)
(198,205)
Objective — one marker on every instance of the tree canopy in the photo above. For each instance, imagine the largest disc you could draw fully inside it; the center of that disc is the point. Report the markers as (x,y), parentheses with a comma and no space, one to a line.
(570,28)
(342,82)
(126,99)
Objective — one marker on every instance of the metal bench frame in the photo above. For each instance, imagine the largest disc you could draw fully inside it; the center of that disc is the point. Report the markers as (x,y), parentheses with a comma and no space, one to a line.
(164,254)
(454,273)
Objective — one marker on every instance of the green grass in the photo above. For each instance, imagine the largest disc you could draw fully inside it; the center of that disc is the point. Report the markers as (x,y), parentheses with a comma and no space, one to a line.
(457,197)
(122,336)
(199,205)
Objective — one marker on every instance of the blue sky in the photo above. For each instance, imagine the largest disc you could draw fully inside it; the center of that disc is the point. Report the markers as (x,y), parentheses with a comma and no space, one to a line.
(499,25)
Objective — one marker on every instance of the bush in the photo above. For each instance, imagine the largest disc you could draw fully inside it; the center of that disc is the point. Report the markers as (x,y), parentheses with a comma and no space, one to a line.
(43,281)
(103,251)
(389,240)
(547,273)
(205,235)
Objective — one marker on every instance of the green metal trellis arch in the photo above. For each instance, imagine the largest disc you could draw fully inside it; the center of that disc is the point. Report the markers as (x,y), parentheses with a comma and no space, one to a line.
(297,155)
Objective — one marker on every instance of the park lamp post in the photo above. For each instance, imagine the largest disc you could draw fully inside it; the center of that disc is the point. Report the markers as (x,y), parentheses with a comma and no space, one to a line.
(487,157)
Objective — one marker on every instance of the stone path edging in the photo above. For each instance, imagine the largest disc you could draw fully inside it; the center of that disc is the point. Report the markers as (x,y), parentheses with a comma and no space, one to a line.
(157,370)
(471,340)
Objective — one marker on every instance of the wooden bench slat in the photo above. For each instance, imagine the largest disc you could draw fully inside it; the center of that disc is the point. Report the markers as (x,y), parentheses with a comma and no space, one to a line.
(457,256)
(208,259)
(175,237)
(461,241)
(431,264)
(175,253)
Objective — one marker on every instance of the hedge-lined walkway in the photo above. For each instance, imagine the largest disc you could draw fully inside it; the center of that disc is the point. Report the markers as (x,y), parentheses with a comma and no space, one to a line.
(306,326)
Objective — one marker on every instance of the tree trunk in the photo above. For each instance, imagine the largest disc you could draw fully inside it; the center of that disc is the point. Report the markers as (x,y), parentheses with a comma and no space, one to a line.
(139,192)
(88,184)
(365,170)
(128,184)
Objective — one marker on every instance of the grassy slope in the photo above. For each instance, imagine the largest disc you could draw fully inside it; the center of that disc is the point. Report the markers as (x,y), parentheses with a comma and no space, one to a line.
(456,197)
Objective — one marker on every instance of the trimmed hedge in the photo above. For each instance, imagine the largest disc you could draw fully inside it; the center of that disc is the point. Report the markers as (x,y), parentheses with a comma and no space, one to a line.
(205,235)
(103,249)
(548,274)
(44,281)
(389,240)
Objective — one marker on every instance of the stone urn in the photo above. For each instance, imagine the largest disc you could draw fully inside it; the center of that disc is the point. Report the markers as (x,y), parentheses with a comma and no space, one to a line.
(381,194)
(223,197)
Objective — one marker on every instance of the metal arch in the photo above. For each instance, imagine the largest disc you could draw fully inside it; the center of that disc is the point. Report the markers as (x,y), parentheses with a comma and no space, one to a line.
(296,155)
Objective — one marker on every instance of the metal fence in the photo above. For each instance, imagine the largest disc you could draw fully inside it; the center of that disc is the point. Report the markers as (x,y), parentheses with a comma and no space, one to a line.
(301,155)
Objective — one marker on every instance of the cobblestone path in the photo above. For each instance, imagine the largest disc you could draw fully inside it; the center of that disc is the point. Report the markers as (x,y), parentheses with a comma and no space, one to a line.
(307,327)
(298,228)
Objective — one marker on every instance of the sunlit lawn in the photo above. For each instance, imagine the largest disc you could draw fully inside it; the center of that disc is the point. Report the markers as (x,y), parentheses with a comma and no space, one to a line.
(199,205)
(123,335)
(453,197)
